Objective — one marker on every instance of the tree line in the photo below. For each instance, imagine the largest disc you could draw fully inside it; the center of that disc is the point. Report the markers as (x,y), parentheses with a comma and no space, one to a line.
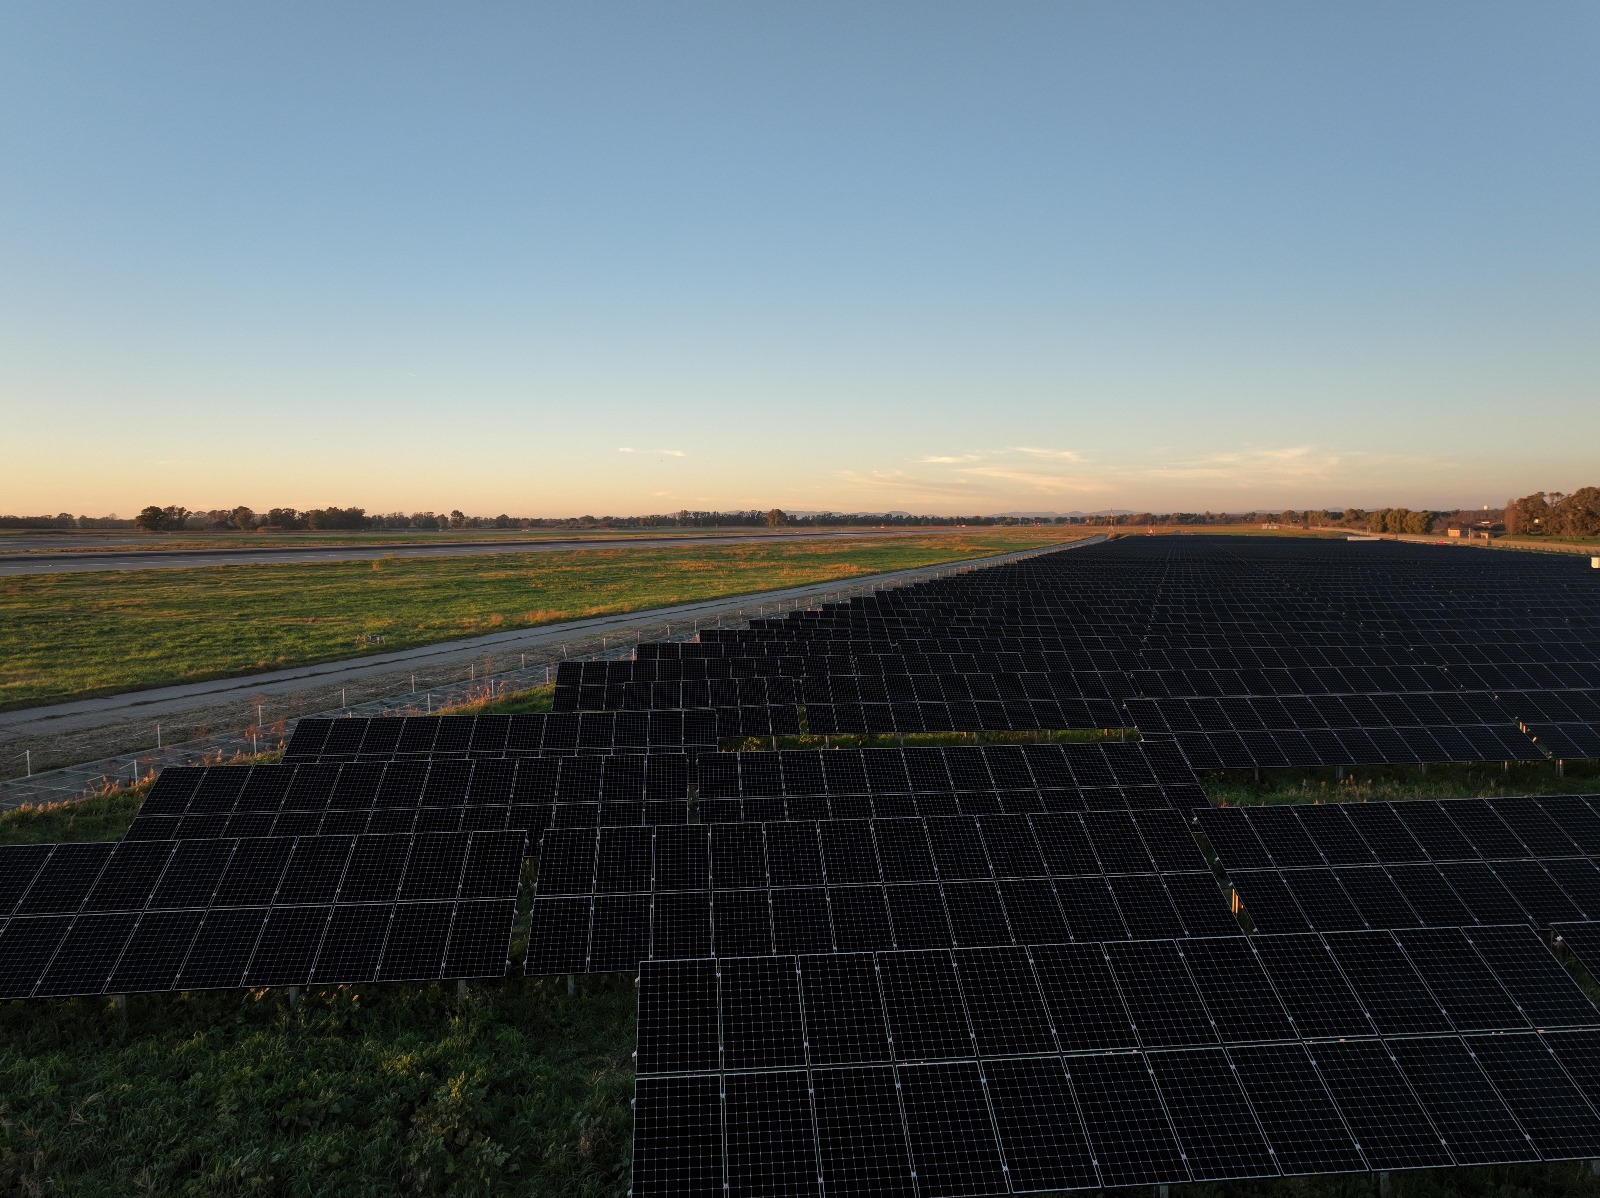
(176,518)
(1552,514)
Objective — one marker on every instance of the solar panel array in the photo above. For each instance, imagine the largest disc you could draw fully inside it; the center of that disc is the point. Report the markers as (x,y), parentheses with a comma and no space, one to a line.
(1463,861)
(429,737)
(101,917)
(992,1071)
(1250,654)
(974,969)
(850,783)
(955,1032)
(422,796)
(607,900)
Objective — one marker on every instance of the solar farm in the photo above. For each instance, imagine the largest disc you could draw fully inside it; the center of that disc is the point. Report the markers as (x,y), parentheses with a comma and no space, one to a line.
(966,922)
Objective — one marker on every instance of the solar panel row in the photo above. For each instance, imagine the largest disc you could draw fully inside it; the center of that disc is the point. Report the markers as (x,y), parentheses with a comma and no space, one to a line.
(102,917)
(449,795)
(957,1073)
(388,737)
(612,932)
(1290,835)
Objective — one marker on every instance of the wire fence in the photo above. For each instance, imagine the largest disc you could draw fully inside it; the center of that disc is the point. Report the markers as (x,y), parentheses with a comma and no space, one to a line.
(261,735)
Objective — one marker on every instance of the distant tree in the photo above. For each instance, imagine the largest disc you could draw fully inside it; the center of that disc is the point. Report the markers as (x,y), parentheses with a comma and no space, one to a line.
(1577,514)
(776,517)
(161,519)
(457,519)
(1528,515)
(1417,522)
(243,518)
(336,518)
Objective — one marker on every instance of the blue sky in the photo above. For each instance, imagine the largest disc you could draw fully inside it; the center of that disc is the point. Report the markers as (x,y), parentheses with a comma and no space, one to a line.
(937,257)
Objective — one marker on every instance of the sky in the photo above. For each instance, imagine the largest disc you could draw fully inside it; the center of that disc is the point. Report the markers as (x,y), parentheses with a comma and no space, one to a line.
(614,258)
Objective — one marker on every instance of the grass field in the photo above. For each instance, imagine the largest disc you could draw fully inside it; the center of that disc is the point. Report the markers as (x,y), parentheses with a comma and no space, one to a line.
(1236,788)
(137,542)
(517,1089)
(68,636)
(1518,538)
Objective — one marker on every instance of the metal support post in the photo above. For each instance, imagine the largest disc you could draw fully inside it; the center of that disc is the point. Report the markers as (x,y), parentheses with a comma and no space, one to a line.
(119,1003)
(461,987)
(294,996)
(572,986)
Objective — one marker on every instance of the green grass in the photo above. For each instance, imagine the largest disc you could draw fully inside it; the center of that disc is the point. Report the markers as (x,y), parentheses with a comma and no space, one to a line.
(167,542)
(896,740)
(68,636)
(536,700)
(363,1090)
(1521,538)
(106,816)
(1235,788)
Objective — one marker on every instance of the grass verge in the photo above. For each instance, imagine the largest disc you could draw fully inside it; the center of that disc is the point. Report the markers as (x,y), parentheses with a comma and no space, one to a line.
(70,636)
(362,1090)
(911,740)
(1237,788)
(103,815)
(536,700)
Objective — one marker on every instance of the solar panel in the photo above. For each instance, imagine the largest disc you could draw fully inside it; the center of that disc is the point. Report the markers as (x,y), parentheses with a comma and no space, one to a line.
(770,1140)
(1125,1120)
(861,1139)
(1312,988)
(1388,1122)
(1003,1003)
(954,1146)
(1551,1109)
(1532,977)
(1396,999)
(1462,1103)
(1241,1001)
(1299,1117)
(677,1137)
(1161,997)
(1211,1115)
(1458,977)
(1037,1121)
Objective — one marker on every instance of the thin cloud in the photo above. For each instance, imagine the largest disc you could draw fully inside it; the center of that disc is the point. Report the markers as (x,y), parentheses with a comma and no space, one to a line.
(1049,484)
(669,453)
(952,459)
(1255,466)
(1065,455)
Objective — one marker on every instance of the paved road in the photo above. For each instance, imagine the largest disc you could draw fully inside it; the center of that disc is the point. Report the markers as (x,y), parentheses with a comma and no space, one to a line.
(167,700)
(178,559)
